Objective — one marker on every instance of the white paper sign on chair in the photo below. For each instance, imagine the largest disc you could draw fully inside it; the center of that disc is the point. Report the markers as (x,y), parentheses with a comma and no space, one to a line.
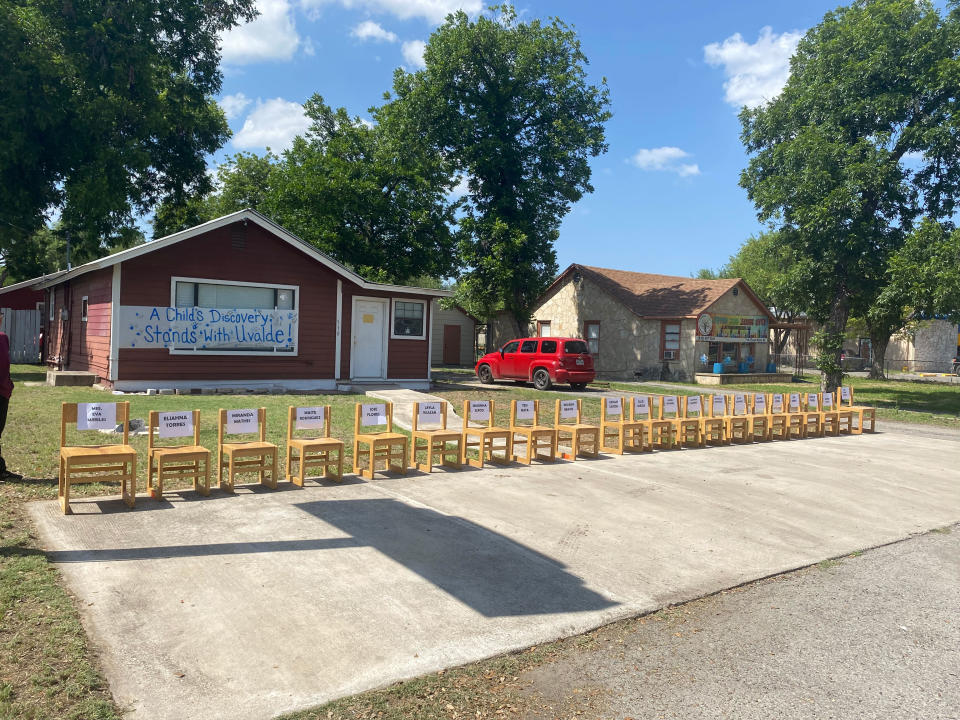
(613,405)
(373,414)
(777,403)
(96,416)
(568,409)
(693,403)
(845,393)
(310,418)
(430,413)
(759,403)
(175,424)
(828,400)
(812,401)
(242,421)
(670,403)
(480,410)
(525,409)
(719,404)
(641,406)
(739,405)
(794,402)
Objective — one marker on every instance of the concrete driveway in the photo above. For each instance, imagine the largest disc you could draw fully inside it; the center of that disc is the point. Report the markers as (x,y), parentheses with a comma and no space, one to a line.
(268,601)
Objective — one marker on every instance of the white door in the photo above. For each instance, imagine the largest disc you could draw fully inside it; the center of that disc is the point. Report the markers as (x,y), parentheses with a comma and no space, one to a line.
(369,339)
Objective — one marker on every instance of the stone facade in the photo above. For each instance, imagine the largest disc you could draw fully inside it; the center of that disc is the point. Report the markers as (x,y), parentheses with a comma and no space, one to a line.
(931,347)
(630,346)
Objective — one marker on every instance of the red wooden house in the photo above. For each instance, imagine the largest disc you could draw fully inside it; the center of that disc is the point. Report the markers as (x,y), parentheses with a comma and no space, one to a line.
(236,302)
(23,295)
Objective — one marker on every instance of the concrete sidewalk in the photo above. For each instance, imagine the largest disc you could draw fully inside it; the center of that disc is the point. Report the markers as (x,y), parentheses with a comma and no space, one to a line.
(268,601)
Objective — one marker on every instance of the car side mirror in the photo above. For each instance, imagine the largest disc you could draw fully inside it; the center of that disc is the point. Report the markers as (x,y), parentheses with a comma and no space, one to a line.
(501,352)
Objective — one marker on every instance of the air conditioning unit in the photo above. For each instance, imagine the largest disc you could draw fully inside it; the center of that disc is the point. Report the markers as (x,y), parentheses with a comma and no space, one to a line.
(669,354)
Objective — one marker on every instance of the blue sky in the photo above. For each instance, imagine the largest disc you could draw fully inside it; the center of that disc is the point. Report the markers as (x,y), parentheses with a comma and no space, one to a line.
(666,197)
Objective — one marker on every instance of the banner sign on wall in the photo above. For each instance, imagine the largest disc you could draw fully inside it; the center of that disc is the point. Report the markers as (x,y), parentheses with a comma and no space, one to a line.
(732,328)
(211,329)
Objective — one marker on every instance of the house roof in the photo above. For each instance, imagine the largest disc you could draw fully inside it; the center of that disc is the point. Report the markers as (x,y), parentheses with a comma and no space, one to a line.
(659,296)
(29,284)
(241,215)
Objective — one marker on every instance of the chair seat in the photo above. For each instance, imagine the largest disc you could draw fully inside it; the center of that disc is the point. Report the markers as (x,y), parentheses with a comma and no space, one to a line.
(391,436)
(309,443)
(486,430)
(159,452)
(439,434)
(252,447)
(576,426)
(100,452)
(533,429)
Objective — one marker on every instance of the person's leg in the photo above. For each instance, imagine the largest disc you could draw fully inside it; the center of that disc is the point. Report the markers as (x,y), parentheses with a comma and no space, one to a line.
(4,404)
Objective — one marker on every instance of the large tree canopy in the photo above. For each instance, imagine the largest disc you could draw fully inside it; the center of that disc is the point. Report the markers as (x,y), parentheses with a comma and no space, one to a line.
(508,103)
(373,197)
(105,109)
(862,141)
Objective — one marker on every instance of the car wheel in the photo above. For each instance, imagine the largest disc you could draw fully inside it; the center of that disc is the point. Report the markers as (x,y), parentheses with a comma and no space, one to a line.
(541,380)
(485,375)
(578,386)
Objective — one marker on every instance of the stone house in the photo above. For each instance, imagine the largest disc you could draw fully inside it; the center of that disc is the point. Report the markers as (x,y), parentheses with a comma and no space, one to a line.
(640,325)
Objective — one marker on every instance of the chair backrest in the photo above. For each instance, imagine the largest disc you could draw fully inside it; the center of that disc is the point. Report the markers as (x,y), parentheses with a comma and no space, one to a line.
(669,407)
(693,406)
(431,414)
(739,404)
(793,402)
(524,413)
(176,424)
(778,404)
(641,407)
(845,396)
(242,422)
(812,402)
(308,420)
(827,401)
(759,404)
(718,405)
(479,412)
(95,416)
(611,409)
(373,418)
(568,412)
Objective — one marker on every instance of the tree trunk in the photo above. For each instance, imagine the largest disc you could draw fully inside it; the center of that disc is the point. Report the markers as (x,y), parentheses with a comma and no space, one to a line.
(831,343)
(878,344)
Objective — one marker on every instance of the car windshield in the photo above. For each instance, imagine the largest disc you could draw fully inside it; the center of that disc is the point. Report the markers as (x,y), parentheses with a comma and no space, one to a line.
(575,347)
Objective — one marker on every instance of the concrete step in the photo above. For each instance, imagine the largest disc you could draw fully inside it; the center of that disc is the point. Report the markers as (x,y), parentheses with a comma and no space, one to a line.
(71,378)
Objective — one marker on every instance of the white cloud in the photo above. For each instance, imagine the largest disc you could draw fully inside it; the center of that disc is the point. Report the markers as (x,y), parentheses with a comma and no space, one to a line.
(271,36)
(413,53)
(234,105)
(272,123)
(665,158)
(433,11)
(757,72)
(369,30)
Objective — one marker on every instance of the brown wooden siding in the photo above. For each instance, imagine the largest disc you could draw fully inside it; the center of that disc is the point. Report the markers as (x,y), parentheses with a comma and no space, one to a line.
(22,299)
(89,342)
(248,254)
(406,359)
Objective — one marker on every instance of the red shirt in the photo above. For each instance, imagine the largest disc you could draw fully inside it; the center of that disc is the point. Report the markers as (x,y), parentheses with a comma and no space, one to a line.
(6,384)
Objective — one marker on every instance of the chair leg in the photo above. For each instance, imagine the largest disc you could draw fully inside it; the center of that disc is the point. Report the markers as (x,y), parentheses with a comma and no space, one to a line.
(230,475)
(65,497)
(206,476)
(130,500)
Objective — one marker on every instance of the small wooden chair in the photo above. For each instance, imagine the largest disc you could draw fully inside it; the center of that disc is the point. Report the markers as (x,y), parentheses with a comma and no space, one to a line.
(176,462)
(96,463)
(844,415)
(691,422)
(436,438)
(829,414)
(796,418)
(739,422)
(483,435)
(584,439)
(861,412)
(812,415)
(759,417)
(251,456)
(619,431)
(536,438)
(314,450)
(714,425)
(779,420)
(665,429)
(385,444)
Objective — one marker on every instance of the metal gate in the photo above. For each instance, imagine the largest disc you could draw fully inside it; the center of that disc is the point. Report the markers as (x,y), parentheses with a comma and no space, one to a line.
(23,327)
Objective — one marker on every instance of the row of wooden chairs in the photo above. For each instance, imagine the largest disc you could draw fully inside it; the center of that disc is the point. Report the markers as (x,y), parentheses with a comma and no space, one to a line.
(634,424)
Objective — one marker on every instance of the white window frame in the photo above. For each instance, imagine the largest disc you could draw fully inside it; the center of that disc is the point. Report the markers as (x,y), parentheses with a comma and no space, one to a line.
(174,279)
(393,310)
(84,308)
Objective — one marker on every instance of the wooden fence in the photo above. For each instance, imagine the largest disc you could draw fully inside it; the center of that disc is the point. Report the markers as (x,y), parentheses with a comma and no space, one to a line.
(23,327)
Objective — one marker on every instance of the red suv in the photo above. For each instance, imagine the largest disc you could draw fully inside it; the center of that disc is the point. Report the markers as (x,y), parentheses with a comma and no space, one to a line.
(545,361)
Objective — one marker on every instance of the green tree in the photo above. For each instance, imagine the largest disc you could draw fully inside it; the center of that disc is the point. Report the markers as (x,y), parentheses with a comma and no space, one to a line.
(862,141)
(106,108)
(509,104)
